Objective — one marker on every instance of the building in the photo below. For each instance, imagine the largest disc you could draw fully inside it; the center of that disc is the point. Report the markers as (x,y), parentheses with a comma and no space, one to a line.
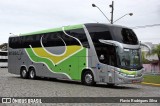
(153,65)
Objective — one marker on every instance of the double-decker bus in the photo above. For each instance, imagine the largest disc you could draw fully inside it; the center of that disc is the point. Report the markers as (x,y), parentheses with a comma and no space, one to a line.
(3,59)
(90,53)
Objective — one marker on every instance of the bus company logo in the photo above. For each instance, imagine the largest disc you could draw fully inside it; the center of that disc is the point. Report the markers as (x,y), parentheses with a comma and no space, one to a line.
(6,100)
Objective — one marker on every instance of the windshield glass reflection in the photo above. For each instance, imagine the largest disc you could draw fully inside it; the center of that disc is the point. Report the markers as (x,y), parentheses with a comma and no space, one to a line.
(130,58)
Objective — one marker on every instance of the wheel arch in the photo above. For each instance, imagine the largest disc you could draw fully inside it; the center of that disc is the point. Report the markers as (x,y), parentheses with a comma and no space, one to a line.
(22,67)
(88,69)
(30,67)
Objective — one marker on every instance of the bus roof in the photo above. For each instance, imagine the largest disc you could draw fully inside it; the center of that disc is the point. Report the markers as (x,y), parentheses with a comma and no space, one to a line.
(104,24)
(54,29)
(70,27)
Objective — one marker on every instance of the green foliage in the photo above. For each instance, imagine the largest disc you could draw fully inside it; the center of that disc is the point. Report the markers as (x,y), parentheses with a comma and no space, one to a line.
(152,79)
(144,60)
(156,50)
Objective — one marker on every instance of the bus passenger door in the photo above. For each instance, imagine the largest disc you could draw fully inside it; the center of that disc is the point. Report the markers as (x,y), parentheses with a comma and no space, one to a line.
(107,56)
(112,63)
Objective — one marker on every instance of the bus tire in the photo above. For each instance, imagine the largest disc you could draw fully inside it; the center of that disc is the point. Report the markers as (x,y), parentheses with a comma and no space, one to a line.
(110,84)
(88,78)
(24,73)
(32,73)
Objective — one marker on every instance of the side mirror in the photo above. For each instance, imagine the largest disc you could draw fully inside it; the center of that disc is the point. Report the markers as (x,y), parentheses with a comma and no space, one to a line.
(149,48)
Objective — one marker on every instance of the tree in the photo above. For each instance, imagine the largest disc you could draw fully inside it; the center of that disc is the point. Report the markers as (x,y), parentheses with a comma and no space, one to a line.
(156,51)
(144,60)
(3,47)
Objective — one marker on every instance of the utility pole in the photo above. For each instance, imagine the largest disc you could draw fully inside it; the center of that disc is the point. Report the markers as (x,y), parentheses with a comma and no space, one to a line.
(112,7)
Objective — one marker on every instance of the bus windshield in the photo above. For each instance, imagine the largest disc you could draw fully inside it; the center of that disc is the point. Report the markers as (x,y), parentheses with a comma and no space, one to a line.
(130,59)
(124,35)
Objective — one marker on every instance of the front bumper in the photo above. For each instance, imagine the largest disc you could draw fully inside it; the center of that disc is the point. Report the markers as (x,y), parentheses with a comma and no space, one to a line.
(119,79)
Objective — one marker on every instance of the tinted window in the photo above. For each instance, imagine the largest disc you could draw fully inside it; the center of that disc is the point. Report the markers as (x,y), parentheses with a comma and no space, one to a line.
(14,42)
(53,39)
(106,54)
(97,33)
(129,36)
(34,41)
(24,41)
(80,35)
(124,35)
(50,39)
(61,39)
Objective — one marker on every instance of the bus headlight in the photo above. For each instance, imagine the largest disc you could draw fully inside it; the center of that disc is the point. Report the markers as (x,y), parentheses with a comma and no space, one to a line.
(123,74)
(131,76)
(126,75)
(110,77)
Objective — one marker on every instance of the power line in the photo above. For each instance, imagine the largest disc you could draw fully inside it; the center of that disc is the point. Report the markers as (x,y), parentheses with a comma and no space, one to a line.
(145,26)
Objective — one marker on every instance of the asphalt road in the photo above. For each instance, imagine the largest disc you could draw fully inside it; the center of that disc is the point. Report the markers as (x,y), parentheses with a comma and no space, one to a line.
(13,86)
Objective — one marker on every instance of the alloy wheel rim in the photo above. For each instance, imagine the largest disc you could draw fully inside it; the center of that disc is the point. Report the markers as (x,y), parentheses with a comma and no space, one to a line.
(32,74)
(88,78)
(24,73)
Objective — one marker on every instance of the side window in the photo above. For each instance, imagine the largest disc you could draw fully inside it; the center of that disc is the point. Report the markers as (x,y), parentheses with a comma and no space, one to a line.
(97,33)
(80,34)
(105,53)
(53,39)
(50,39)
(33,40)
(129,36)
(61,39)
(14,42)
(26,41)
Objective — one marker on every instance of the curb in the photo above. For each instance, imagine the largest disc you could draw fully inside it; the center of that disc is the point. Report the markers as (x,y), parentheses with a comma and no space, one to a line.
(153,84)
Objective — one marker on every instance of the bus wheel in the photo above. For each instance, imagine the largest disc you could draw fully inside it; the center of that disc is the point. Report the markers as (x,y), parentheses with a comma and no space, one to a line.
(110,84)
(24,73)
(88,78)
(32,73)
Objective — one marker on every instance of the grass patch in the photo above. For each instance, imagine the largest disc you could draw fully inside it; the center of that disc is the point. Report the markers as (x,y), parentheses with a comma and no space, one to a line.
(152,79)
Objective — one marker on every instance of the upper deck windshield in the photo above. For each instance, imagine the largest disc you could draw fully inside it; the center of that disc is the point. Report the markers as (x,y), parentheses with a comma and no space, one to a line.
(124,35)
(116,33)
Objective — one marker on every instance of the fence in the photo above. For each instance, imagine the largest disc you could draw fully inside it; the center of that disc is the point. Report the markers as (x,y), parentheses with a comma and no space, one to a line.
(152,68)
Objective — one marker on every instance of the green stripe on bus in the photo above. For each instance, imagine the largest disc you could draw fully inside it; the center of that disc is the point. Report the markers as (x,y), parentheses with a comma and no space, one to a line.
(72,66)
(128,72)
(55,29)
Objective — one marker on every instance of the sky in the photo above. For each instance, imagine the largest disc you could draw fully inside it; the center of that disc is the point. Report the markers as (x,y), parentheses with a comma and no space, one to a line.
(23,16)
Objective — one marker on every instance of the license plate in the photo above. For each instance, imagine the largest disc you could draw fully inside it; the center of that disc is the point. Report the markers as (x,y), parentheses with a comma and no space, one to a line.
(135,81)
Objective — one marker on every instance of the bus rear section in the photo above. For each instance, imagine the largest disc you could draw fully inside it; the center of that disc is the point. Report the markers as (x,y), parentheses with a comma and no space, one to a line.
(60,53)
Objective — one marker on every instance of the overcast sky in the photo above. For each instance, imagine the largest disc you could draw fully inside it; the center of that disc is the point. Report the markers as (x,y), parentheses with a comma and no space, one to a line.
(22,16)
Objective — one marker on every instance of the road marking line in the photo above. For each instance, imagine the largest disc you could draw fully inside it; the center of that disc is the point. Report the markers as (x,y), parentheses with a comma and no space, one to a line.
(150,83)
